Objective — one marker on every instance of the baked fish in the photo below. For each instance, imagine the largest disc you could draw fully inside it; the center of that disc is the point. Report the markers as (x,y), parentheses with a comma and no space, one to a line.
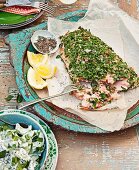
(95,68)
(21,10)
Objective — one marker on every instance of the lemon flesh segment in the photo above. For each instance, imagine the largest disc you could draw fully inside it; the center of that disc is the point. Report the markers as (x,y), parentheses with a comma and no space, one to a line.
(35,59)
(46,71)
(35,80)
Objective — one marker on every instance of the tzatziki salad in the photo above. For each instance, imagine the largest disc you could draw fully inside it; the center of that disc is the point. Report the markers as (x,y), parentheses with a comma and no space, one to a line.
(20,148)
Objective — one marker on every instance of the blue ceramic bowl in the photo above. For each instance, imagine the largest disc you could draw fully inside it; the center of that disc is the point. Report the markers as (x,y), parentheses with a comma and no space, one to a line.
(18,117)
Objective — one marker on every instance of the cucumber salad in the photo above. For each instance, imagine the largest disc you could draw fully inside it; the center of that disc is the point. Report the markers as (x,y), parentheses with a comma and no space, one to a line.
(20,148)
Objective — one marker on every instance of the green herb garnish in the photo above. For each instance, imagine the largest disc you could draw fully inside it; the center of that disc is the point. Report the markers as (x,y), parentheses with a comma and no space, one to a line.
(15,160)
(58,56)
(8,98)
(3,154)
(19,98)
(89,58)
(103,96)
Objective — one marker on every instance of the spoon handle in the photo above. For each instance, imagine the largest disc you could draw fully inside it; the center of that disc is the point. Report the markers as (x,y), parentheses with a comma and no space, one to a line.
(26,104)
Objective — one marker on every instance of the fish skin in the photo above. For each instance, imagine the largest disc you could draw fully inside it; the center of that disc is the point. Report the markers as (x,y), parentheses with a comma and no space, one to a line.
(21,10)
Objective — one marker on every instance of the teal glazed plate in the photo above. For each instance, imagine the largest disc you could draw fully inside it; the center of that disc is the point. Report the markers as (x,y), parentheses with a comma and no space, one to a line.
(20,43)
(51,161)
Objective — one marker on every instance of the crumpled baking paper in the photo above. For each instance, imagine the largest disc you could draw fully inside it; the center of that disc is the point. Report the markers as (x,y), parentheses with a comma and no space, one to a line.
(120,32)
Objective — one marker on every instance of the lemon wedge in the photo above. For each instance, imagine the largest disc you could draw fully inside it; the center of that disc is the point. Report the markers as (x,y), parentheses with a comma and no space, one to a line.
(35,80)
(46,71)
(35,59)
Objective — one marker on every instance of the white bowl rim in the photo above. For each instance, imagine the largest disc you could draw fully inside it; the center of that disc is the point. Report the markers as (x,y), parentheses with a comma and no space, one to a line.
(46,31)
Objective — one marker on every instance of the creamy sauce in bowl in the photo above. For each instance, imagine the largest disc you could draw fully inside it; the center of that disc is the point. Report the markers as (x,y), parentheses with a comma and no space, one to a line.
(20,148)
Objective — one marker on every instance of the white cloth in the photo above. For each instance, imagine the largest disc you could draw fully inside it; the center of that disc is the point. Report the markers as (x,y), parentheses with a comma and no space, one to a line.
(17,2)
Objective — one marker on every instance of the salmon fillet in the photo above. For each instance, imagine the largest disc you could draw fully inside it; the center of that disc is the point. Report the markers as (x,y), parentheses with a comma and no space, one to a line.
(21,10)
(95,68)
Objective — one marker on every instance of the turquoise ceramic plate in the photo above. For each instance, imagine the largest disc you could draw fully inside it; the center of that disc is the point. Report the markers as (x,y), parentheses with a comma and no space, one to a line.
(51,162)
(49,111)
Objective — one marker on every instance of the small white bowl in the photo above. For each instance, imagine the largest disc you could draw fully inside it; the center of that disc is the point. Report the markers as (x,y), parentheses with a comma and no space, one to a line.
(45,34)
(68,1)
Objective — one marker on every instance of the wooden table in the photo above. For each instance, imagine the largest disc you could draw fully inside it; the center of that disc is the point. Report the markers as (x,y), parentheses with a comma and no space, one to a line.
(116,151)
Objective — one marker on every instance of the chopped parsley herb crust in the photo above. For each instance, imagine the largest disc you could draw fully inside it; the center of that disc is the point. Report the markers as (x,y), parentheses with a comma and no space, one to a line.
(91,59)
(88,59)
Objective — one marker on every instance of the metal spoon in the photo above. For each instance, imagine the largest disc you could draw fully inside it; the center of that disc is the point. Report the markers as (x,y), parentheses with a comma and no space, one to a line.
(66,90)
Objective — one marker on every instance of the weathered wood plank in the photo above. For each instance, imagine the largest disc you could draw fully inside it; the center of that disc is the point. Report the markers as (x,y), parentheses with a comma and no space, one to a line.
(6,69)
(117,151)
(137,131)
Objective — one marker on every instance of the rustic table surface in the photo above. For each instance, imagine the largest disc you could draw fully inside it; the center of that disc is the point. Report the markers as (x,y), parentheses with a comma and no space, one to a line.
(116,151)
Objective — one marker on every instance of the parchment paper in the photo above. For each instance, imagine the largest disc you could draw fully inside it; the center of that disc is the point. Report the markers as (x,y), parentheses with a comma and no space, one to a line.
(112,30)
